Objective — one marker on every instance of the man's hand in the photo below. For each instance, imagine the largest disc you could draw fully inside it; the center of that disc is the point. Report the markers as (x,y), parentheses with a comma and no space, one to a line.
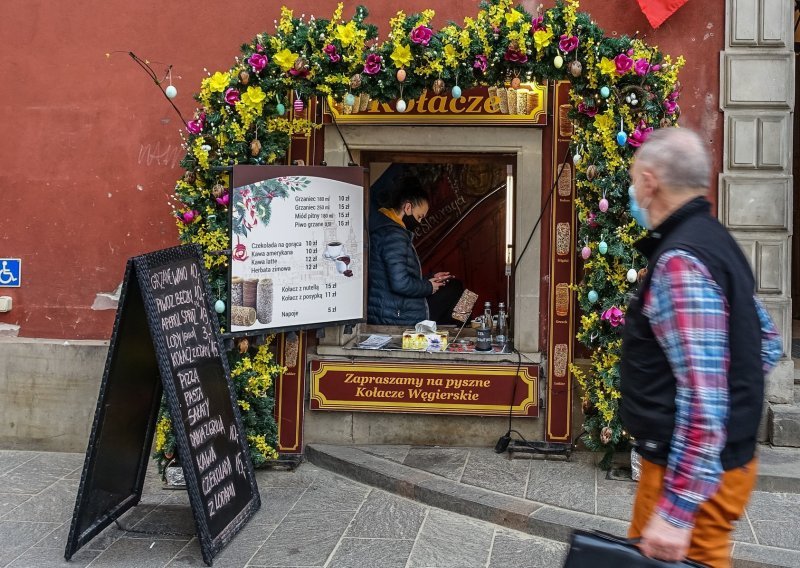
(442,276)
(436,284)
(664,541)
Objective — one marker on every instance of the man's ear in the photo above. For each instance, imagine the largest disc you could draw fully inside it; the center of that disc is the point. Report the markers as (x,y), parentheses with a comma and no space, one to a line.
(648,186)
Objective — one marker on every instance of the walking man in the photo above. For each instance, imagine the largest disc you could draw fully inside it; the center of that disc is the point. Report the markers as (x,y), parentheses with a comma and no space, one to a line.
(697,346)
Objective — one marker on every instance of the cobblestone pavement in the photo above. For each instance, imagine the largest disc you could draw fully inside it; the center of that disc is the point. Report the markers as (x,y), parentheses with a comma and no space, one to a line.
(309,517)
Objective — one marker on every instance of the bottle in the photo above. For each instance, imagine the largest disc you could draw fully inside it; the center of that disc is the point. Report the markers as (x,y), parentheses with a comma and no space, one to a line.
(501,334)
(484,333)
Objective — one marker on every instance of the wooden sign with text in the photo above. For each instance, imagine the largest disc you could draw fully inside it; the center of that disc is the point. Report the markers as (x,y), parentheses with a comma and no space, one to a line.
(166,339)
(425,388)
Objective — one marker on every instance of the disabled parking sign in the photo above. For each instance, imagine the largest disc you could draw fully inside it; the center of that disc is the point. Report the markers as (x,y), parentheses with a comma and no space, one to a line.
(10,269)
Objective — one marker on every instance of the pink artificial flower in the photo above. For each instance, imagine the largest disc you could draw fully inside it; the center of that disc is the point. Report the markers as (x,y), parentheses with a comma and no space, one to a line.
(421,35)
(623,63)
(515,56)
(538,24)
(655,68)
(372,65)
(638,136)
(224,199)
(257,62)
(614,316)
(592,220)
(259,48)
(568,43)
(480,63)
(298,72)
(642,67)
(589,111)
(232,96)
(330,51)
(670,106)
(188,216)
(196,126)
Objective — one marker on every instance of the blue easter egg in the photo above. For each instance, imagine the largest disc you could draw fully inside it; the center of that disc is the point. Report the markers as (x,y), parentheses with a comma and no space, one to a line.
(605,92)
(280,109)
(592,295)
(349,99)
(621,138)
(456,92)
(219,306)
(602,247)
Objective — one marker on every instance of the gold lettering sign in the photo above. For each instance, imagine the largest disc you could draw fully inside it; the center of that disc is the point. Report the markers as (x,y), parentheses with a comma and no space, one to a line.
(481,105)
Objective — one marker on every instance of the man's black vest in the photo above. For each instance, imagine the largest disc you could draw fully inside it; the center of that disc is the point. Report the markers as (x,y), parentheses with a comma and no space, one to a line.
(647,383)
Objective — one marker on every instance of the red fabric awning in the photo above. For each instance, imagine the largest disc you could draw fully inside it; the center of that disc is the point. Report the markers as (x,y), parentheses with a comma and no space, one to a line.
(657,11)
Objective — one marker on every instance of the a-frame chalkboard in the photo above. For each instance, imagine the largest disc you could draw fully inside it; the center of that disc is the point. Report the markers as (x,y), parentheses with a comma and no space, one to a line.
(165,335)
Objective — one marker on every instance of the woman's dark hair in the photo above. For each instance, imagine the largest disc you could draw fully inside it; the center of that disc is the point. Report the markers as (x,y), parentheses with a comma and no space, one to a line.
(407,188)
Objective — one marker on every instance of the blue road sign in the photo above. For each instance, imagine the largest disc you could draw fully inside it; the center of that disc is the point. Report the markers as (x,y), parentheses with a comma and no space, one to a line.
(10,269)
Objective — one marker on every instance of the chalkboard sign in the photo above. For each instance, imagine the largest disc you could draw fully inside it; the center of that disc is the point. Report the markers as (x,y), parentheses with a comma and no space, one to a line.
(165,335)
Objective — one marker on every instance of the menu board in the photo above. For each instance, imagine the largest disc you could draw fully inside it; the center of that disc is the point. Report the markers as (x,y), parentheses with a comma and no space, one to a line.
(166,327)
(298,247)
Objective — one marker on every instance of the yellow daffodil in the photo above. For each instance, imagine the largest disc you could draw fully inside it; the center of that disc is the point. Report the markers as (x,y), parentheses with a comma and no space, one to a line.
(346,33)
(450,54)
(253,96)
(285,59)
(513,17)
(219,82)
(607,66)
(401,55)
(542,38)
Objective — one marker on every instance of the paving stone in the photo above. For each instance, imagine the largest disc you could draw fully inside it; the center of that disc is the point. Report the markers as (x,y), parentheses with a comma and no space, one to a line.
(137,553)
(55,463)
(387,516)
(275,503)
(774,507)
(781,534)
(369,553)
(331,492)
(742,531)
(394,453)
(447,540)
(53,558)
(520,550)
(303,539)
(23,481)
(16,537)
(235,555)
(302,476)
(754,556)
(566,484)
(778,469)
(557,524)
(10,501)
(489,470)
(173,522)
(9,459)
(615,497)
(447,462)
(56,503)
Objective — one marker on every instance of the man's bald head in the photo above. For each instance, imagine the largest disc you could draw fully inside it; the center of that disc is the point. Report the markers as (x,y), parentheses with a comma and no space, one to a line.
(678,158)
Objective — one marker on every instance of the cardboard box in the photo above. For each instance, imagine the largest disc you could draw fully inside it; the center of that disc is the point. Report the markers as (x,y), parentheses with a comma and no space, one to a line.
(417,341)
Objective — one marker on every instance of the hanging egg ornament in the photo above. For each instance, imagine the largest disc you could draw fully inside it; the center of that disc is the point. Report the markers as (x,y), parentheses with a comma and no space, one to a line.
(219,306)
(401,75)
(349,99)
(586,252)
(515,83)
(632,275)
(622,137)
(603,205)
(576,159)
(575,68)
(602,248)
(298,105)
(244,77)
(456,92)
(605,92)
(592,296)
(171,92)
(255,148)
(355,81)
(280,109)
(438,86)
(558,62)
(591,172)
(400,105)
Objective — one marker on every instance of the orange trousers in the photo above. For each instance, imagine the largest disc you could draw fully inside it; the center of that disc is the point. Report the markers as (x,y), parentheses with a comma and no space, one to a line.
(711,543)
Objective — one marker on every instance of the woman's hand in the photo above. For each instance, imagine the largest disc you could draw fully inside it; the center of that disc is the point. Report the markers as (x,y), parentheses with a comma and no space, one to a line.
(436,283)
(443,276)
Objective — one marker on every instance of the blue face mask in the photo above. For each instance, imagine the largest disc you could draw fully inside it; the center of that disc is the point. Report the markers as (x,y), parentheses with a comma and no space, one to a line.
(639,214)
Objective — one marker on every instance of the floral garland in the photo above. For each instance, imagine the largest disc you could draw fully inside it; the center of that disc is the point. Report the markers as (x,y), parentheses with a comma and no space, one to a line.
(621,90)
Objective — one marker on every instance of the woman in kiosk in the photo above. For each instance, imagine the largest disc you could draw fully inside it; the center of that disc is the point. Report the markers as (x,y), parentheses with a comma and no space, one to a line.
(398,292)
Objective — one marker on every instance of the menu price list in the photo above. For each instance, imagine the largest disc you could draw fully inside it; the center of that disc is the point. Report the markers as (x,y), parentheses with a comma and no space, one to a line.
(201,387)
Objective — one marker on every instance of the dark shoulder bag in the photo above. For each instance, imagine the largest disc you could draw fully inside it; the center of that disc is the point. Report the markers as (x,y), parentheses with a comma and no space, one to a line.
(595,549)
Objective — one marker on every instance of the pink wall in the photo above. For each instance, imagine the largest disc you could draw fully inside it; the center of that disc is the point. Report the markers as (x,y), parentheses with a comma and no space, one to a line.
(90,148)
